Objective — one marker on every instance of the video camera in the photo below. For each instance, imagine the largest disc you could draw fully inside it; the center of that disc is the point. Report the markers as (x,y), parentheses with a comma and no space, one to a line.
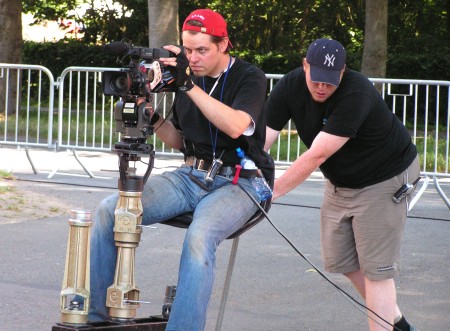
(143,76)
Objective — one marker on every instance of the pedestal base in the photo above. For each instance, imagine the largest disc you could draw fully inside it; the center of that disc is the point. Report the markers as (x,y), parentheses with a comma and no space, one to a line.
(153,323)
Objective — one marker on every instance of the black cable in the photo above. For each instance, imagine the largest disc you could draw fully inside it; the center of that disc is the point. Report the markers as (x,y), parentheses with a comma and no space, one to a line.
(315,207)
(168,114)
(343,292)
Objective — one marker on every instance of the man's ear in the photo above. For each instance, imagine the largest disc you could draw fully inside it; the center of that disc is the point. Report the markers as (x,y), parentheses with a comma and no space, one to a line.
(223,45)
(305,63)
(342,72)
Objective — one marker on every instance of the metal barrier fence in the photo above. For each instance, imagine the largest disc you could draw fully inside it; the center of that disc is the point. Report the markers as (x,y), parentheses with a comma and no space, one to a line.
(23,96)
(26,113)
(85,117)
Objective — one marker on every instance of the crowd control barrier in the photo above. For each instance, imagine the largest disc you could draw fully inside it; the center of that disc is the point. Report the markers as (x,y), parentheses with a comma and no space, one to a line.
(71,113)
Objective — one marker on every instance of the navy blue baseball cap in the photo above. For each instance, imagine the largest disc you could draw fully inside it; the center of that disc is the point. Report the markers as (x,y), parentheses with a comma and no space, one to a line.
(326,58)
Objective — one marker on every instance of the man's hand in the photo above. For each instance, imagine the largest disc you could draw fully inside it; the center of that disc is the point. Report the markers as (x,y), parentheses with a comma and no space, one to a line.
(179,67)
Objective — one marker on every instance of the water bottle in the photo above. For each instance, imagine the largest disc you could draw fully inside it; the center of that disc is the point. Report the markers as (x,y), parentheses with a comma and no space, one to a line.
(259,183)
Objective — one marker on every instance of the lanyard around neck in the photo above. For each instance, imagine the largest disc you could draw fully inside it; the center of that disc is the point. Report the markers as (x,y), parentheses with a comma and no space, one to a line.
(214,140)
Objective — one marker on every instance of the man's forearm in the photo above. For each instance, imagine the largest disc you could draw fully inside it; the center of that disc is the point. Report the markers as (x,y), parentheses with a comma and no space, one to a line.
(168,133)
(296,174)
(230,121)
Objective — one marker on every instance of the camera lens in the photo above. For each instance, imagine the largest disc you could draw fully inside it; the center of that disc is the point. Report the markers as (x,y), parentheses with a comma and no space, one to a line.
(120,83)
(151,75)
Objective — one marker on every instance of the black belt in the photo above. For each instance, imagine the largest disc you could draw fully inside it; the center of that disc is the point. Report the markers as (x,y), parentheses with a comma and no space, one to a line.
(225,171)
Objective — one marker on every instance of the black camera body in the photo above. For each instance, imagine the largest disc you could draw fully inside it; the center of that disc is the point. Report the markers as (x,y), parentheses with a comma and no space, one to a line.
(138,79)
(143,76)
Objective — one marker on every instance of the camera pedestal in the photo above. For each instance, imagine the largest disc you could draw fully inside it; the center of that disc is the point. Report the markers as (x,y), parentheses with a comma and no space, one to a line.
(122,297)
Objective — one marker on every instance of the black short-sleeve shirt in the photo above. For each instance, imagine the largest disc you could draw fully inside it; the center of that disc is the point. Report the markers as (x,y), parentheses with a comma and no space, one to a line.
(244,89)
(379,147)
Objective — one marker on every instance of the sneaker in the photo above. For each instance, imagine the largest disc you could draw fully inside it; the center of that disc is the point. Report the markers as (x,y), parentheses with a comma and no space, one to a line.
(403,325)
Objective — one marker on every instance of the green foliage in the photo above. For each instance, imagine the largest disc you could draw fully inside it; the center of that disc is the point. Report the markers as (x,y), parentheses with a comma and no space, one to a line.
(62,54)
(105,24)
(418,40)
(283,26)
(272,34)
(49,9)
(99,21)
(275,34)
(271,62)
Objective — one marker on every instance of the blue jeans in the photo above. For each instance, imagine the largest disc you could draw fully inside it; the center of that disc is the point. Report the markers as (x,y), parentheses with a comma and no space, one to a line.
(217,214)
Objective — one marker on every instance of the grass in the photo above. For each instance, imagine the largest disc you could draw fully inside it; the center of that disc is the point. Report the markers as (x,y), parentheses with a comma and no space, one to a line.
(93,130)
(431,158)
(90,129)
(6,174)
(6,191)
(19,206)
(4,187)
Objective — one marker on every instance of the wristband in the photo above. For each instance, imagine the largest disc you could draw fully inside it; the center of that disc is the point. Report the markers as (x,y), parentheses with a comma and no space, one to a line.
(187,86)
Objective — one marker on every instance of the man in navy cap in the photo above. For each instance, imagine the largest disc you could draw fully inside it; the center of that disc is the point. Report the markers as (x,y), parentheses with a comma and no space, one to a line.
(366,155)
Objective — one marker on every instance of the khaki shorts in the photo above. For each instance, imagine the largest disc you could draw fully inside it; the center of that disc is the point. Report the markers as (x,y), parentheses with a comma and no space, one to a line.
(363,228)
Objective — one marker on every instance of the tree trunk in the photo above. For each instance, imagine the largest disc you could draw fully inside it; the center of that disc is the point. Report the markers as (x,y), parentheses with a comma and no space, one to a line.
(162,23)
(447,5)
(375,39)
(10,49)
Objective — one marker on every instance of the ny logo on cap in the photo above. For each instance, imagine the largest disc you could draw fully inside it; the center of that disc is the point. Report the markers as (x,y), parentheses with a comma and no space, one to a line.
(329,60)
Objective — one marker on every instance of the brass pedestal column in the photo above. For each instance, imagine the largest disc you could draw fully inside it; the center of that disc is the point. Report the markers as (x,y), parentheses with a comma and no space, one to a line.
(77,269)
(122,297)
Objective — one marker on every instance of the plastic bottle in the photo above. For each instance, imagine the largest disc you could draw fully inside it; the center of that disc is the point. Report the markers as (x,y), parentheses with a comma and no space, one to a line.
(259,183)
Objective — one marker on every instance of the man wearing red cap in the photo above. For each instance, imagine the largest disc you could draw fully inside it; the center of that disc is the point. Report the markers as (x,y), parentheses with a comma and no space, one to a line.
(366,155)
(216,110)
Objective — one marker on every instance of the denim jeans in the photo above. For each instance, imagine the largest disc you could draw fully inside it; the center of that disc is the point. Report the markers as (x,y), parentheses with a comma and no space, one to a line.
(217,214)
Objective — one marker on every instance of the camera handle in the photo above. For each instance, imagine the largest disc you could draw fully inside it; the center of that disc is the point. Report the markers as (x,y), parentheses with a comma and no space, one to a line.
(122,297)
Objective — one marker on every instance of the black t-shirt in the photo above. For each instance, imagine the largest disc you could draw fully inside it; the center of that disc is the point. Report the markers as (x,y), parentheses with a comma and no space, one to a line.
(379,147)
(244,89)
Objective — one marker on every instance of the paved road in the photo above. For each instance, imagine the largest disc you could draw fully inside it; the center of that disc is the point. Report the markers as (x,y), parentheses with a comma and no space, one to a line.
(273,288)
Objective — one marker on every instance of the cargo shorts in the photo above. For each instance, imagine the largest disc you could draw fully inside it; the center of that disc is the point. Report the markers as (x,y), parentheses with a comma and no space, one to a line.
(363,228)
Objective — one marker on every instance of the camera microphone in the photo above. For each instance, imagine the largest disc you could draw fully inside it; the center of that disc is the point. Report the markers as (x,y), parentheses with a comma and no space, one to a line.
(115,48)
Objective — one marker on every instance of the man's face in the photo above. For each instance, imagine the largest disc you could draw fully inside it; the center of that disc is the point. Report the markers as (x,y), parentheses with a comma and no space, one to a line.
(320,92)
(204,56)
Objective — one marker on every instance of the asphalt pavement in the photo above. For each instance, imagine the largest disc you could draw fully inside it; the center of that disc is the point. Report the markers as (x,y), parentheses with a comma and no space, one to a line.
(273,287)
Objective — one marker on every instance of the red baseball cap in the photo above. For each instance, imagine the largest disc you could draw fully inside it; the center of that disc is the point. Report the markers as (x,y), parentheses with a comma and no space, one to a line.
(213,23)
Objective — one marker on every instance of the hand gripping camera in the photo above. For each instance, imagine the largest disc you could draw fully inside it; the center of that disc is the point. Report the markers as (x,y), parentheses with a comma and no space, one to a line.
(143,76)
